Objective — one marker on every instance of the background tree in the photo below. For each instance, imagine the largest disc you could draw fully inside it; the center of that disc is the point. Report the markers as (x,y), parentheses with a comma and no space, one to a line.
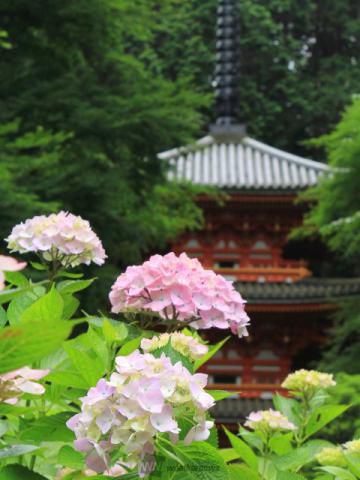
(299,62)
(74,67)
(335,214)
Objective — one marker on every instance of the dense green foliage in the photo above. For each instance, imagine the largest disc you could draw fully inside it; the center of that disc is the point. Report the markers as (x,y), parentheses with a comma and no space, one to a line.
(299,61)
(74,67)
(335,214)
(36,443)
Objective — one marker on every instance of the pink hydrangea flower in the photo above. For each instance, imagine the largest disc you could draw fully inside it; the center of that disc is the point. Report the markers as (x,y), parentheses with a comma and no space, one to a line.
(180,289)
(63,237)
(138,403)
(9,264)
(269,421)
(187,345)
(14,383)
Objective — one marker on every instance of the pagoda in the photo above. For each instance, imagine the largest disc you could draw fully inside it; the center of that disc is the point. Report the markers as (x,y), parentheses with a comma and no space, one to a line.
(246,239)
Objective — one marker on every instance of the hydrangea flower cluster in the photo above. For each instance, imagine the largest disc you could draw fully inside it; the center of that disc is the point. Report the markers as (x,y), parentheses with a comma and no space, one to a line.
(184,344)
(143,398)
(180,289)
(353,446)
(268,421)
(61,237)
(8,264)
(308,381)
(20,381)
(333,456)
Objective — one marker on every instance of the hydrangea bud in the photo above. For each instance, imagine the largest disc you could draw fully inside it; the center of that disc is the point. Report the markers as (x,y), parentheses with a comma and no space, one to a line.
(179,289)
(187,345)
(308,381)
(333,456)
(60,237)
(139,403)
(268,421)
(8,264)
(353,446)
(14,384)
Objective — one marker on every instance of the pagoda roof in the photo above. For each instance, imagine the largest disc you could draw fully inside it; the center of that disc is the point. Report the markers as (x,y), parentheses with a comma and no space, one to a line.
(242,165)
(313,290)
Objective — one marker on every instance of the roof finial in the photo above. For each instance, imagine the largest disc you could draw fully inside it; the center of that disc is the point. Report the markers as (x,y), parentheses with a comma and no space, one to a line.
(227,71)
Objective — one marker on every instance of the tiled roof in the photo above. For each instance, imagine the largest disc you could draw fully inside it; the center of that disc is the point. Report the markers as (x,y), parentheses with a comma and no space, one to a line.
(234,410)
(246,164)
(306,291)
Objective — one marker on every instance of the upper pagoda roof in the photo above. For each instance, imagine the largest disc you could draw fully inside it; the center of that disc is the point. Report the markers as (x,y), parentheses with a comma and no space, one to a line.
(244,164)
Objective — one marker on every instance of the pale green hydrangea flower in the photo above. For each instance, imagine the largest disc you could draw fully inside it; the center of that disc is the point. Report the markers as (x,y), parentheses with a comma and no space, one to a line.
(333,456)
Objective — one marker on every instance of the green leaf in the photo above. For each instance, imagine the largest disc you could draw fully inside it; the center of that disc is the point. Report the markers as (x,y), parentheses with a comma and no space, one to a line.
(173,355)
(301,456)
(22,302)
(71,304)
(201,462)
(18,472)
(289,476)
(114,331)
(16,278)
(73,286)
(241,472)
(51,428)
(229,454)
(16,450)
(280,443)
(68,378)
(210,354)
(130,346)
(10,293)
(339,473)
(287,406)
(47,308)
(220,394)
(243,450)
(3,317)
(27,343)
(323,415)
(89,368)
(353,462)
(38,266)
(68,457)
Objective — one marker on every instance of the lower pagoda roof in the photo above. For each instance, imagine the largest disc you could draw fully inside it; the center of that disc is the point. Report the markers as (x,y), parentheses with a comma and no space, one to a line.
(313,290)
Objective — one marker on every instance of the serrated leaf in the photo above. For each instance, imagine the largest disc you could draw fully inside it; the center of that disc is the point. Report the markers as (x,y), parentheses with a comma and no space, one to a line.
(90,370)
(339,473)
(301,456)
(210,354)
(114,331)
(244,451)
(3,317)
(201,462)
(229,454)
(38,266)
(47,308)
(18,306)
(16,450)
(288,407)
(16,278)
(68,457)
(130,346)
(173,355)
(29,342)
(51,428)
(18,472)
(323,415)
(241,472)
(71,304)
(73,286)
(220,394)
